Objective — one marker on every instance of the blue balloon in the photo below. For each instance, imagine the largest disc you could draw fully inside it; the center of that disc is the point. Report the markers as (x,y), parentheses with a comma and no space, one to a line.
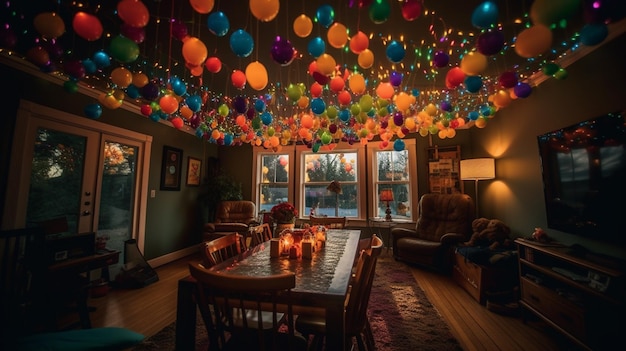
(218,23)
(266,118)
(473,115)
(485,15)
(241,43)
(90,66)
(395,52)
(93,111)
(325,15)
(102,59)
(199,132)
(344,115)
(155,116)
(194,102)
(398,145)
(133,92)
(316,47)
(178,86)
(473,84)
(593,33)
(228,139)
(318,106)
(259,105)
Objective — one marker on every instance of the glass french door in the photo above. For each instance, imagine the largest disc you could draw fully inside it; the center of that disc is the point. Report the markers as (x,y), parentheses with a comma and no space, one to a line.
(86,176)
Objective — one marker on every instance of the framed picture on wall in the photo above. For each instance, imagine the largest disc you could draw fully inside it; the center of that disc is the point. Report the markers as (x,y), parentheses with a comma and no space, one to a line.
(171,168)
(444,175)
(194,167)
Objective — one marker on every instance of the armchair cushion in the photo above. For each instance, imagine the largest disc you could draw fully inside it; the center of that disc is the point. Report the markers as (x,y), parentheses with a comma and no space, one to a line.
(230,217)
(444,220)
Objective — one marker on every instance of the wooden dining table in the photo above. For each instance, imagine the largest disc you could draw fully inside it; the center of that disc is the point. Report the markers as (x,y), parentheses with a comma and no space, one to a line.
(321,284)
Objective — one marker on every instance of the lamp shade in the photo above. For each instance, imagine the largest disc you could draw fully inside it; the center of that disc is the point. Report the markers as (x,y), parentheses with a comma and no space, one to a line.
(478,169)
(386,195)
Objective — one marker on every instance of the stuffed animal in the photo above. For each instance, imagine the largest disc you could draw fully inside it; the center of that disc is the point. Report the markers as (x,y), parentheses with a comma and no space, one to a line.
(491,232)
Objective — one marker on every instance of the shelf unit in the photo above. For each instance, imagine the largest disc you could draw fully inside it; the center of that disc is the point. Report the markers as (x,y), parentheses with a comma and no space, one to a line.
(580,294)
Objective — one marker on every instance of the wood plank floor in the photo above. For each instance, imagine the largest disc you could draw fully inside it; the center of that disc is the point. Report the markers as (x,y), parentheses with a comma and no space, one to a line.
(149,309)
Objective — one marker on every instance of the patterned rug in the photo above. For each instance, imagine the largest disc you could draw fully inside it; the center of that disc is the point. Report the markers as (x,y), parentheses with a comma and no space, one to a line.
(401,316)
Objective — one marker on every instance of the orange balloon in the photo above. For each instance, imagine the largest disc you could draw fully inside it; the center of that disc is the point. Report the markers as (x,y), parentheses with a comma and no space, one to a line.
(533,41)
(121,77)
(366,59)
(256,74)
(326,64)
(302,26)
(194,51)
(87,26)
(337,35)
(49,25)
(133,12)
(140,79)
(202,6)
(168,104)
(264,10)
(357,83)
(384,90)
(306,121)
(473,63)
(359,42)
(186,112)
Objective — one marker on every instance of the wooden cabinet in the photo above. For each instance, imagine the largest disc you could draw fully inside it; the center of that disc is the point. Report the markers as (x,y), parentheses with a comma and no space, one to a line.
(580,294)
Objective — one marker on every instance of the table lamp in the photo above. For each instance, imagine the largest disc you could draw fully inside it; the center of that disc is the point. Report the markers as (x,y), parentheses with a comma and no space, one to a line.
(387,196)
(478,169)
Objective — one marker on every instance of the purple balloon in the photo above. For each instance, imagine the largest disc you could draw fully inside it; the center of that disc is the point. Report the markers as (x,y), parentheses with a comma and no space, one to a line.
(282,51)
(522,90)
(398,118)
(239,103)
(150,91)
(395,79)
(446,106)
(179,30)
(75,69)
(136,34)
(490,42)
(441,59)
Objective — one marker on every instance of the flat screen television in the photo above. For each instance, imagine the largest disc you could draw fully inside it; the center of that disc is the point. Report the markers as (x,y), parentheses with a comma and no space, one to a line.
(584,178)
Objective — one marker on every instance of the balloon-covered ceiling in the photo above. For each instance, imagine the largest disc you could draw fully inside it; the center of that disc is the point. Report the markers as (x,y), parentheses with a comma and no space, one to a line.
(271,73)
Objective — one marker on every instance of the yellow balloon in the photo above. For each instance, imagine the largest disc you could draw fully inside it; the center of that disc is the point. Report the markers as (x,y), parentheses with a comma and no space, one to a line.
(264,10)
(501,98)
(337,35)
(473,63)
(302,26)
(326,64)
(256,75)
(121,77)
(109,101)
(202,6)
(366,59)
(403,101)
(49,25)
(194,51)
(357,83)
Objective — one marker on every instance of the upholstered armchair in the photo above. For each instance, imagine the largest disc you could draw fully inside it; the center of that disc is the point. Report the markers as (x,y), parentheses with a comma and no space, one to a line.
(444,221)
(231,217)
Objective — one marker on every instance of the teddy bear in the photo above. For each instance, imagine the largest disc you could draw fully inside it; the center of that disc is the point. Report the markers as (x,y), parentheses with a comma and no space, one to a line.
(491,232)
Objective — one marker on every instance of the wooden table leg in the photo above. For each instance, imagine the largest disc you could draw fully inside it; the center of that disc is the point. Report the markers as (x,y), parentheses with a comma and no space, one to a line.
(185,315)
(335,325)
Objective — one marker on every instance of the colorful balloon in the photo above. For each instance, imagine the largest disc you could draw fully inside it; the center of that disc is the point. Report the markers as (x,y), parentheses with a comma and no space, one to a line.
(411,9)
(395,51)
(379,11)
(218,23)
(366,59)
(359,42)
(122,77)
(241,43)
(202,6)
(302,26)
(282,51)
(238,78)
(264,10)
(533,41)
(325,15)
(337,35)
(213,64)
(123,49)
(485,15)
(194,51)
(49,25)
(87,26)
(316,47)
(441,59)
(490,42)
(133,12)
(256,75)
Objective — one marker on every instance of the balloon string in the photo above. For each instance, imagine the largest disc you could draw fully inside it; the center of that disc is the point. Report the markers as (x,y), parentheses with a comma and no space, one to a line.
(169,50)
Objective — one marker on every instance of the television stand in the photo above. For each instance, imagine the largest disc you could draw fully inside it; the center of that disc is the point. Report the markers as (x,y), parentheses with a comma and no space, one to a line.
(582,299)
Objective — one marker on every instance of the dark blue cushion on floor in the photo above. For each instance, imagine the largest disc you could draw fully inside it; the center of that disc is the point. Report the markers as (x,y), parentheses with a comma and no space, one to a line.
(96,339)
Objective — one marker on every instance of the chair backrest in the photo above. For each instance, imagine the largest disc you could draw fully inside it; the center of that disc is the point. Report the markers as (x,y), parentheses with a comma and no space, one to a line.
(440,214)
(23,264)
(240,304)
(221,249)
(260,234)
(237,211)
(358,298)
(329,222)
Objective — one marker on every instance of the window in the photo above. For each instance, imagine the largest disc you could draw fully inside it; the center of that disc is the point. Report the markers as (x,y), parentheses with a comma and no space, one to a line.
(273,187)
(394,170)
(319,171)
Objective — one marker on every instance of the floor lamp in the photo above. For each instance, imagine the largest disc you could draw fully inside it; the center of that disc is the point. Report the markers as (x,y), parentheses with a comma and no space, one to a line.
(478,169)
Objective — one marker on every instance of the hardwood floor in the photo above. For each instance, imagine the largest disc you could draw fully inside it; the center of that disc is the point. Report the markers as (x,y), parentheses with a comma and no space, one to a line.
(149,309)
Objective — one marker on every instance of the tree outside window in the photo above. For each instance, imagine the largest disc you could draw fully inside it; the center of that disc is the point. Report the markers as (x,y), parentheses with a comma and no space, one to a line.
(320,169)
(392,172)
(274,185)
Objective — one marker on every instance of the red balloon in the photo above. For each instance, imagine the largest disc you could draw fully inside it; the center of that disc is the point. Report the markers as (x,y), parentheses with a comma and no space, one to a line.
(455,77)
(133,12)
(508,79)
(411,9)
(239,79)
(213,64)
(87,26)
(136,34)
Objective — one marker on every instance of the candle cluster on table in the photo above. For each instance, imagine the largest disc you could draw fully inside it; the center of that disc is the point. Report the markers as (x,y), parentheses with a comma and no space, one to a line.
(298,243)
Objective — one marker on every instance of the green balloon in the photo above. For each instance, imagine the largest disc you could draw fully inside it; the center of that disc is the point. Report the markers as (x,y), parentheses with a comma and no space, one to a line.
(366,102)
(326,138)
(355,109)
(294,92)
(331,112)
(379,11)
(123,49)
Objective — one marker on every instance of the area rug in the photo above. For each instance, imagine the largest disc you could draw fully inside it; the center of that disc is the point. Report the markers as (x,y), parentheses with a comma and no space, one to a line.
(401,316)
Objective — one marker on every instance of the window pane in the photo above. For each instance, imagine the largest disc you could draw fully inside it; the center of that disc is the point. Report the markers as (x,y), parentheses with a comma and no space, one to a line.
(274,181)
(320,170)
(324,168)
(392,165)
(328,203)
(393,173)
(275,168)
(272,195)
(399,206)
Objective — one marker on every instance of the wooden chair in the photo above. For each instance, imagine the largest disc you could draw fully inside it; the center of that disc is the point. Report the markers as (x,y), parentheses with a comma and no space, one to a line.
(250,309)
(221,249)
(329,222)
(357,323)
(260,234)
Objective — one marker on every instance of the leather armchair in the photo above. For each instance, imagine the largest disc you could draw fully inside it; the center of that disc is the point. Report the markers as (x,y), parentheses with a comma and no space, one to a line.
(231,217)
(444,221)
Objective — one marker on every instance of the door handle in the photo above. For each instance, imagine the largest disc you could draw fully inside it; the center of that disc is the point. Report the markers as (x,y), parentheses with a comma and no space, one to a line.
(86,213)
